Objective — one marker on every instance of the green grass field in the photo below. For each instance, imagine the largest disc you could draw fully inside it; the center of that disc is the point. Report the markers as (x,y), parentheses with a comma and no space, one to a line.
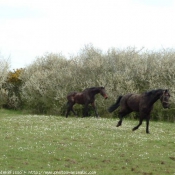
(37,144)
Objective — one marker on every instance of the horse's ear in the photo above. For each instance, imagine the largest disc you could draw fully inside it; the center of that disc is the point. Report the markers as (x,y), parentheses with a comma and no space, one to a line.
(166,92)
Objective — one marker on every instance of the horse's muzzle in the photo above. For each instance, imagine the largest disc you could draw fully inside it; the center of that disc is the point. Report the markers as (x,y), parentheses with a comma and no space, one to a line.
(166,107)
(105,96)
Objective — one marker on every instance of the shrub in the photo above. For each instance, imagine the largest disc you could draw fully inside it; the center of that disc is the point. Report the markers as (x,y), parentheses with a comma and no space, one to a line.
(4,68)
(45,82)
(13,85)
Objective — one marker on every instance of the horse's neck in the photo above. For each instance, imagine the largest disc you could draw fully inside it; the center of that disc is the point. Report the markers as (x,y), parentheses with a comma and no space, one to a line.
(95,91)
(155,97)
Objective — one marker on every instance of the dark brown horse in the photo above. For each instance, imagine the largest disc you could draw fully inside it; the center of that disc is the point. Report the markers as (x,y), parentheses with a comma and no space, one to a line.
(84,98)
(142,103)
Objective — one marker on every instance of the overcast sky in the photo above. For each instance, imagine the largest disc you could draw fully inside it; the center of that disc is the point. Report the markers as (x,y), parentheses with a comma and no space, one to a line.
(30,28)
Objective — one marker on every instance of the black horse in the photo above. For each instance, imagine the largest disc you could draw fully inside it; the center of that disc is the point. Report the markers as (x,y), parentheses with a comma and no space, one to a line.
(85,98)
(142,103)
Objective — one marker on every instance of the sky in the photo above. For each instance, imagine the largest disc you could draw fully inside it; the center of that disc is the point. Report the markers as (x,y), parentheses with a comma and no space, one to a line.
(31,28)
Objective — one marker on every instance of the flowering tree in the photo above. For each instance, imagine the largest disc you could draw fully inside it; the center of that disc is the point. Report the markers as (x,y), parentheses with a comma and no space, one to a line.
(4,68)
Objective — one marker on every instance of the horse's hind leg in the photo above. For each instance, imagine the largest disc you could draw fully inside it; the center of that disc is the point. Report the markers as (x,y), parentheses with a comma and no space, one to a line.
(121,119)
(121,115)
(67,113)
(119,123)
(70,108)
(73,111)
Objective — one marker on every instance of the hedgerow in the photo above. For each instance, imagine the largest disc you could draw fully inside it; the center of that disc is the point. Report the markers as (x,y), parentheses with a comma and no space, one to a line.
(47,81)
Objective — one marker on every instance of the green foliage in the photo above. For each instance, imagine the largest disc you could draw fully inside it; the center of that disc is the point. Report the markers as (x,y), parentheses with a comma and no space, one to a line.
(41,143)
(50,78)
(13,86)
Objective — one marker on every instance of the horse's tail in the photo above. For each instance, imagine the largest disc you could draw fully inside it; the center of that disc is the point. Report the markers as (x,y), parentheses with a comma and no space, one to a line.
(116,105)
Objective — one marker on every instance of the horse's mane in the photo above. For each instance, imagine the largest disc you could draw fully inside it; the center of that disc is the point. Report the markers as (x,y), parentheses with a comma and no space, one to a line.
(149,93)
(92,88)
(72,93)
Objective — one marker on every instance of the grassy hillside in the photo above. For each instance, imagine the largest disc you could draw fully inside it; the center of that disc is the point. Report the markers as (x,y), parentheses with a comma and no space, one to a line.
(38,144)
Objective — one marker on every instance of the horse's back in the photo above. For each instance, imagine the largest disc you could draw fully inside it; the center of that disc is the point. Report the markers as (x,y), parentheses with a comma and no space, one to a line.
(76,97)
(132,101)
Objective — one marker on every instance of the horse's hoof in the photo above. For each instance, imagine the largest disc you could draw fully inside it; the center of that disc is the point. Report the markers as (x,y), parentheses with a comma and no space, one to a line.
(119,124)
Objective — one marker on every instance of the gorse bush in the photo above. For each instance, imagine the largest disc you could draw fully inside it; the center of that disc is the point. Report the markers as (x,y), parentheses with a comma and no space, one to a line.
(51,77)
(13,85)
(10,84)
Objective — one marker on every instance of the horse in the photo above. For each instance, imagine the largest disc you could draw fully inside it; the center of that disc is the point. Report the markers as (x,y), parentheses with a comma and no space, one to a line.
(85,98)
(142,103)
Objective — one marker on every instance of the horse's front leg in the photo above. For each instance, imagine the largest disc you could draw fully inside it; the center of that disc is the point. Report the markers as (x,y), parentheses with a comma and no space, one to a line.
(95,109)
(147,124)
(85,112)
(140,123)
(143,116)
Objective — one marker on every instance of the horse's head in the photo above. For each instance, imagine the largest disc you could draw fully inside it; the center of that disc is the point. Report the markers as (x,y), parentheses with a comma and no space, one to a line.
(165,99)
(103,92)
